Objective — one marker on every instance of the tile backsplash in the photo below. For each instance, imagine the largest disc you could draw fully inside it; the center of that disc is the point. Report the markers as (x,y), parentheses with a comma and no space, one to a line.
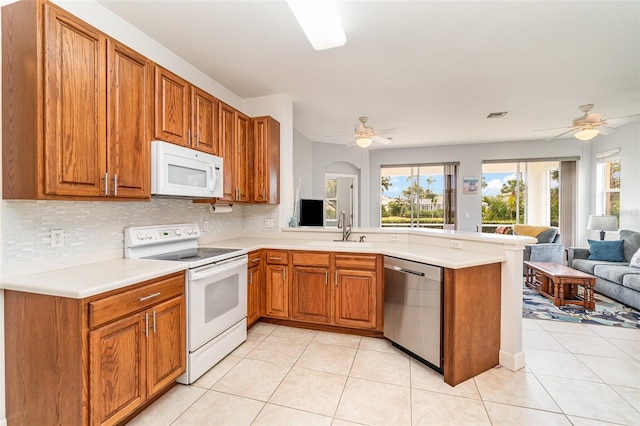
(92,227)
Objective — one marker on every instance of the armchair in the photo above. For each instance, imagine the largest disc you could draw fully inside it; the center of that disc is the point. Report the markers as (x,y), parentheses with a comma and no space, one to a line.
(549,247)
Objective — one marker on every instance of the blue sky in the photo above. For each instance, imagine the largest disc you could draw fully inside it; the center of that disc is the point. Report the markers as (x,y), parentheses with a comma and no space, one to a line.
(494,180)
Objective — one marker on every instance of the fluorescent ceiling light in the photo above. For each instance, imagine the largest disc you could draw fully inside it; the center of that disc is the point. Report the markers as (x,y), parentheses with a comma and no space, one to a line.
(320,22)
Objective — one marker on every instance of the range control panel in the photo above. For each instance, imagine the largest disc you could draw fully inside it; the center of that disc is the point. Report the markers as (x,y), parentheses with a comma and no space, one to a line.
(147,235)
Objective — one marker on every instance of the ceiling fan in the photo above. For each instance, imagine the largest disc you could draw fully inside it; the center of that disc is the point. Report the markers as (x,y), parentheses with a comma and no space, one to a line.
(589,125)
(363,135)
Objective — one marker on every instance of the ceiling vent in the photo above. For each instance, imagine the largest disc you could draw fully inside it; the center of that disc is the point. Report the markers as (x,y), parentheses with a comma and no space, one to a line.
(497,114)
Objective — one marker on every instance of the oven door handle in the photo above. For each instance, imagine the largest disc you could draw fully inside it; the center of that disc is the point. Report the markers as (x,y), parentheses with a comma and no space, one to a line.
(210,270)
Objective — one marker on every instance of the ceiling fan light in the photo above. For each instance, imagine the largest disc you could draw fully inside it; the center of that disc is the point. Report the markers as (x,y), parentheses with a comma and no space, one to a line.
(587,134)
(363,142)
(320,22)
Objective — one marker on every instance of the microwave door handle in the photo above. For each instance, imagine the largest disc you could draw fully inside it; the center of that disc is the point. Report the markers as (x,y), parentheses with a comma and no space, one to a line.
(212,181)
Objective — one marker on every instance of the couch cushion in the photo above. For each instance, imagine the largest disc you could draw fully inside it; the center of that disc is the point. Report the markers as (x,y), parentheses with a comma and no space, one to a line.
(632,281)
(610,251)
(635,260)
(614,273)
(544,234)
(588,266)
(631,243)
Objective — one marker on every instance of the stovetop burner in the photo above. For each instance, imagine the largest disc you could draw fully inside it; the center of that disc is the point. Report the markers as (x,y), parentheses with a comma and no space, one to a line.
(193,254)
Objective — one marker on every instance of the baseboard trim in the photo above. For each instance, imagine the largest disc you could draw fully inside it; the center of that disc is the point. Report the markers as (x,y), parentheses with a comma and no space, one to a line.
(513,362)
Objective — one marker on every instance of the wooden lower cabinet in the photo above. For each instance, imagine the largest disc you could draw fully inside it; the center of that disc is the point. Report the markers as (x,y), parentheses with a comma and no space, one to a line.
(310,287)
(255,288)
(356,298)
(277,291)
(94,360)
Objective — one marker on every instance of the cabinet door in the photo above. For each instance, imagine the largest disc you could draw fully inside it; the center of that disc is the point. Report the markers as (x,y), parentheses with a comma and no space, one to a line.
(356,298)
(75,102)
(266,160)
(204,112)
(277,294)
(166,355)
(129,77)
(310,294)
(118,369)
(243,157)
(254,282)
(172,116)
(226,143)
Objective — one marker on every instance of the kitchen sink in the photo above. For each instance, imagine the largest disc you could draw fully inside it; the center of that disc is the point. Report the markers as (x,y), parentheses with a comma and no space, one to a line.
(342,244)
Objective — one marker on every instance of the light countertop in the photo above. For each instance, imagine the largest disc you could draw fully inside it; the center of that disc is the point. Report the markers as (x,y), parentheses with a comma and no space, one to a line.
(94,278)
(439,256)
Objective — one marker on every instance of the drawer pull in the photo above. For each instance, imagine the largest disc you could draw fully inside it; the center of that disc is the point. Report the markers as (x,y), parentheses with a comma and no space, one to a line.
(151,296)
(154,321)
(146,324)
(275,258)
(257,259)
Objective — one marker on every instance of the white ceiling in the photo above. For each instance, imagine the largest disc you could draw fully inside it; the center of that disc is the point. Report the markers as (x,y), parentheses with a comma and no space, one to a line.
(434,68)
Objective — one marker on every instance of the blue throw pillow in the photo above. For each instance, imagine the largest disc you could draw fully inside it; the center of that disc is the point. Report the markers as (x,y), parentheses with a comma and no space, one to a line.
(610,251)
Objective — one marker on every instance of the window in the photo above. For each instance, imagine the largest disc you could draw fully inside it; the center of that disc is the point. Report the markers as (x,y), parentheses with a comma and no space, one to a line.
(417,195)
(331,198)
(524,192)
(608,183)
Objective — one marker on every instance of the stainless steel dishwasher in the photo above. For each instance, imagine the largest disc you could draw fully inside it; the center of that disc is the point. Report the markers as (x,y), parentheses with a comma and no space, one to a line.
(413,309)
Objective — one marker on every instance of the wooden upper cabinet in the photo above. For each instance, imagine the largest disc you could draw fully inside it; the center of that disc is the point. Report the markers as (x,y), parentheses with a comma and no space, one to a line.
(129,80)
(172,113)
(74,106)
(266,160)
(204,114)
(226,143)
(243,157)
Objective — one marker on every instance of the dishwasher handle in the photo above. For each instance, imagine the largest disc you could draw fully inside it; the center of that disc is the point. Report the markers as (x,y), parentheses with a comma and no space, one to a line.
(406,271)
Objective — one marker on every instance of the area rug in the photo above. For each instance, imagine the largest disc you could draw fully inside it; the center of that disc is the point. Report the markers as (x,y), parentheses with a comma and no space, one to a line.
(607,311)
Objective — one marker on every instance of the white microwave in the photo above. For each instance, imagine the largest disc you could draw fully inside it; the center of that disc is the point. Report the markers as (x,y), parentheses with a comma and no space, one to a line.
(177,171)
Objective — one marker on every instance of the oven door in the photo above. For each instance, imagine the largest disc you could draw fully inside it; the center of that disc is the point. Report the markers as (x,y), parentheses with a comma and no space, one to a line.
(217,299)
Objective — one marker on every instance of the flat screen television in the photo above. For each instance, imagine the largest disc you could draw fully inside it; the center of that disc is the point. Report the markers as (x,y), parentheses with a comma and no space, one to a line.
(311,212)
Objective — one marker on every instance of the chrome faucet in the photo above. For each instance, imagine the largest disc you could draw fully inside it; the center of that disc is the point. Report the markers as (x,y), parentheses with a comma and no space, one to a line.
(342,223)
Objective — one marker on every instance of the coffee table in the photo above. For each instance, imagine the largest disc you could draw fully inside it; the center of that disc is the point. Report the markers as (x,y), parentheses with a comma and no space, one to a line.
(560,283)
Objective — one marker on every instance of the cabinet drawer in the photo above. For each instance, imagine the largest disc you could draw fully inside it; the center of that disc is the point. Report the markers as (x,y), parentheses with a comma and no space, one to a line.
(254,258)
(356,261)
(278,257)
(305,258)
(113,307)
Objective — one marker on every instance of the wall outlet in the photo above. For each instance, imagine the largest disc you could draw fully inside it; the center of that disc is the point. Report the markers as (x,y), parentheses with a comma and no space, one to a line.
(57,238)
(268,223)
(394,237)
(456,244)
(205,225)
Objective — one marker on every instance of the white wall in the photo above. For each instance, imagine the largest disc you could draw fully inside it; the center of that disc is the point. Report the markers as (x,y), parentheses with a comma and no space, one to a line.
(302,163)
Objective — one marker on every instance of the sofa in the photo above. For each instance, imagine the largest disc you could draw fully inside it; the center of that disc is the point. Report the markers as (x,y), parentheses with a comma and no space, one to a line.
(549,247)
(615,279)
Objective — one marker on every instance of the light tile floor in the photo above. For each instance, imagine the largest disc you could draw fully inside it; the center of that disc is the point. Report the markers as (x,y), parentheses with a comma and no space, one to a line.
(575,374)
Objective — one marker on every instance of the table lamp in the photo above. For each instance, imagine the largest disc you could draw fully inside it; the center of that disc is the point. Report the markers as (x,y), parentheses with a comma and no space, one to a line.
(602,223)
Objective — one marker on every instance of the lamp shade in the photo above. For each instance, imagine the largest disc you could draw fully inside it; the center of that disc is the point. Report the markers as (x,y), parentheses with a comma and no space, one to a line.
(602,223)
(363,142)
(587,134)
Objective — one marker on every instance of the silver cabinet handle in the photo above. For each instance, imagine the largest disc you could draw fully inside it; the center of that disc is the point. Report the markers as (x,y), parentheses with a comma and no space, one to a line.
(151,296)
(146,324)
(257,259)
(106,184)
(154,321)
(251,277)
(284,274)
(189,137)
(336,278)
(275,258)
(115,185)
(326,276)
